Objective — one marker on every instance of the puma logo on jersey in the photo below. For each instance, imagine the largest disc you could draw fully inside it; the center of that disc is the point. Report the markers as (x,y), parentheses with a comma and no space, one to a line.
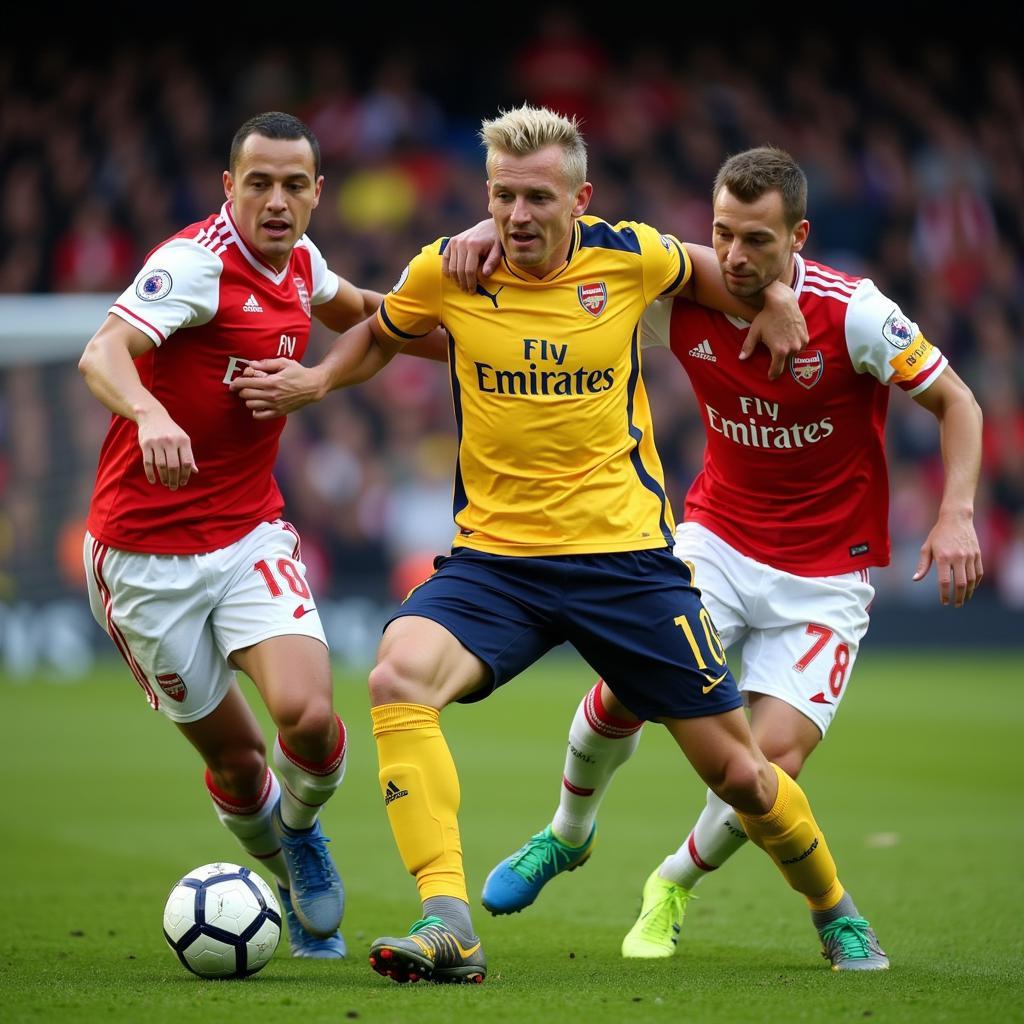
(251,305)
(703,351)
(493,296)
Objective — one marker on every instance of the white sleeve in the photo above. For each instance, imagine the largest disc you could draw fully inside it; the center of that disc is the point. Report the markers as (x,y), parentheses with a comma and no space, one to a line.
(325,280)
(654,327)
(888,345)
(179,286)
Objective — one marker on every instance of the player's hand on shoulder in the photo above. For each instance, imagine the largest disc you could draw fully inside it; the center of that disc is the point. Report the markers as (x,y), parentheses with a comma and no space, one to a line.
(780,327)
(953,546)
(471,255)
(276,387)
(166,450)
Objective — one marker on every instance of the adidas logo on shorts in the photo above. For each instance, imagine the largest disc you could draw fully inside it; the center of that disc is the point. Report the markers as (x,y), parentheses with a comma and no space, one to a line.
(251,305)
(703,351)
(392,792)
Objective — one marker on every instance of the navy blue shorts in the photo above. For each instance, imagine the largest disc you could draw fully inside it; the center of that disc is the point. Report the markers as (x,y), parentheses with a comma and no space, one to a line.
(634,617)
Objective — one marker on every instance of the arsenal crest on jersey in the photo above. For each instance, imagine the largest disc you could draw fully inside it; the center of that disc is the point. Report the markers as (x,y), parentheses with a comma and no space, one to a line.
(173,685)
(300,287)
(807,368)
(593,297)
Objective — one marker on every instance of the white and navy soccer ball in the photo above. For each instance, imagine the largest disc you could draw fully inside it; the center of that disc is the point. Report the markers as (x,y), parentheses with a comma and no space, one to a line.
(222,921)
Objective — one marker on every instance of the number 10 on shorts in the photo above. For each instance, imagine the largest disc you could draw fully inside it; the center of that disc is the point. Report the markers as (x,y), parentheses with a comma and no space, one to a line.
(714,641)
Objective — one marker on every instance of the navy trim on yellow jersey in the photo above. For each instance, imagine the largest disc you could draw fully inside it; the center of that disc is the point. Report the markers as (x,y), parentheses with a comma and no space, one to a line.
(459,498)
(637,434)
(511,269)
(391,327)
(604,236)
(574,243)
(682,266)
(444,245)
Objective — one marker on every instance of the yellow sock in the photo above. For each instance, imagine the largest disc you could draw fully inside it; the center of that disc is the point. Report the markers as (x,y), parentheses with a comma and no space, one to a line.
(421,792)
(789,835)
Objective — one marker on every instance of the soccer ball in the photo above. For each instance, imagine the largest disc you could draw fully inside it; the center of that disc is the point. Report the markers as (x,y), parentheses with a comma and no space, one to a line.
(222,921)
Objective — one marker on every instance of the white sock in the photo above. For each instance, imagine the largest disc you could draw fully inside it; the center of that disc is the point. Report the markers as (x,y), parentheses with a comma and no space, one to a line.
(250,824)
(305,785)
(598,744)
(717,835)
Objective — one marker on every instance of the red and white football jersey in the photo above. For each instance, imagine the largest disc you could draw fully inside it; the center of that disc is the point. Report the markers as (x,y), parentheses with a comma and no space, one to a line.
(210,304)
(794,470)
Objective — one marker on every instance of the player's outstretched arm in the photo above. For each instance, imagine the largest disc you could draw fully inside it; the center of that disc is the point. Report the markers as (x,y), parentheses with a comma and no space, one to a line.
(350,306)
(108,366)
(775,318)
(276,387)
(952,543)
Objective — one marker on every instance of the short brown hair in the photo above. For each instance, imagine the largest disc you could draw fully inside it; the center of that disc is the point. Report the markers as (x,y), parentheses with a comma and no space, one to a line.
(752,173)
(274,125)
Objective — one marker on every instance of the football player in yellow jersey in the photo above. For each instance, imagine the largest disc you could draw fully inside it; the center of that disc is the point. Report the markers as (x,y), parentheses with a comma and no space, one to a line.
(564,531)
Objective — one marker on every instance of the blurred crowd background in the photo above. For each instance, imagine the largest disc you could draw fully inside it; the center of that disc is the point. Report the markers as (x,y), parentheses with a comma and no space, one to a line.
(914,155)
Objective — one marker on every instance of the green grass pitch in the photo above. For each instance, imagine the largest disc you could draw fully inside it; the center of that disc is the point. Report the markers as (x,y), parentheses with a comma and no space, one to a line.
(919,789)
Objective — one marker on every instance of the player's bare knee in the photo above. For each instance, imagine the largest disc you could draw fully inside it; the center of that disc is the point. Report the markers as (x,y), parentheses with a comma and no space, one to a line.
(309,729)
(393,682)
(744,784)
(239,770)
(790,760)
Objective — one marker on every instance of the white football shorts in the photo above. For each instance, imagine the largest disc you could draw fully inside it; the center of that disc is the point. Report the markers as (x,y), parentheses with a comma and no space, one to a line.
(176,619)
(798,636)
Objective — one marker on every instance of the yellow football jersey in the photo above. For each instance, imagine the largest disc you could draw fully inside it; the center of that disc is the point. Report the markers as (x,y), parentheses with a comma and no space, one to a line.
(556,451)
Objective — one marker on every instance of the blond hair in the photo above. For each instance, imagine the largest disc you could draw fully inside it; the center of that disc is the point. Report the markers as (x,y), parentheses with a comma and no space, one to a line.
(527,129)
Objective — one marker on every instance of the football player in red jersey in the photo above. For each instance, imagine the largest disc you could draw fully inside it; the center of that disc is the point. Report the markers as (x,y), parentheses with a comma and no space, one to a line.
(787,516)
(191,569)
